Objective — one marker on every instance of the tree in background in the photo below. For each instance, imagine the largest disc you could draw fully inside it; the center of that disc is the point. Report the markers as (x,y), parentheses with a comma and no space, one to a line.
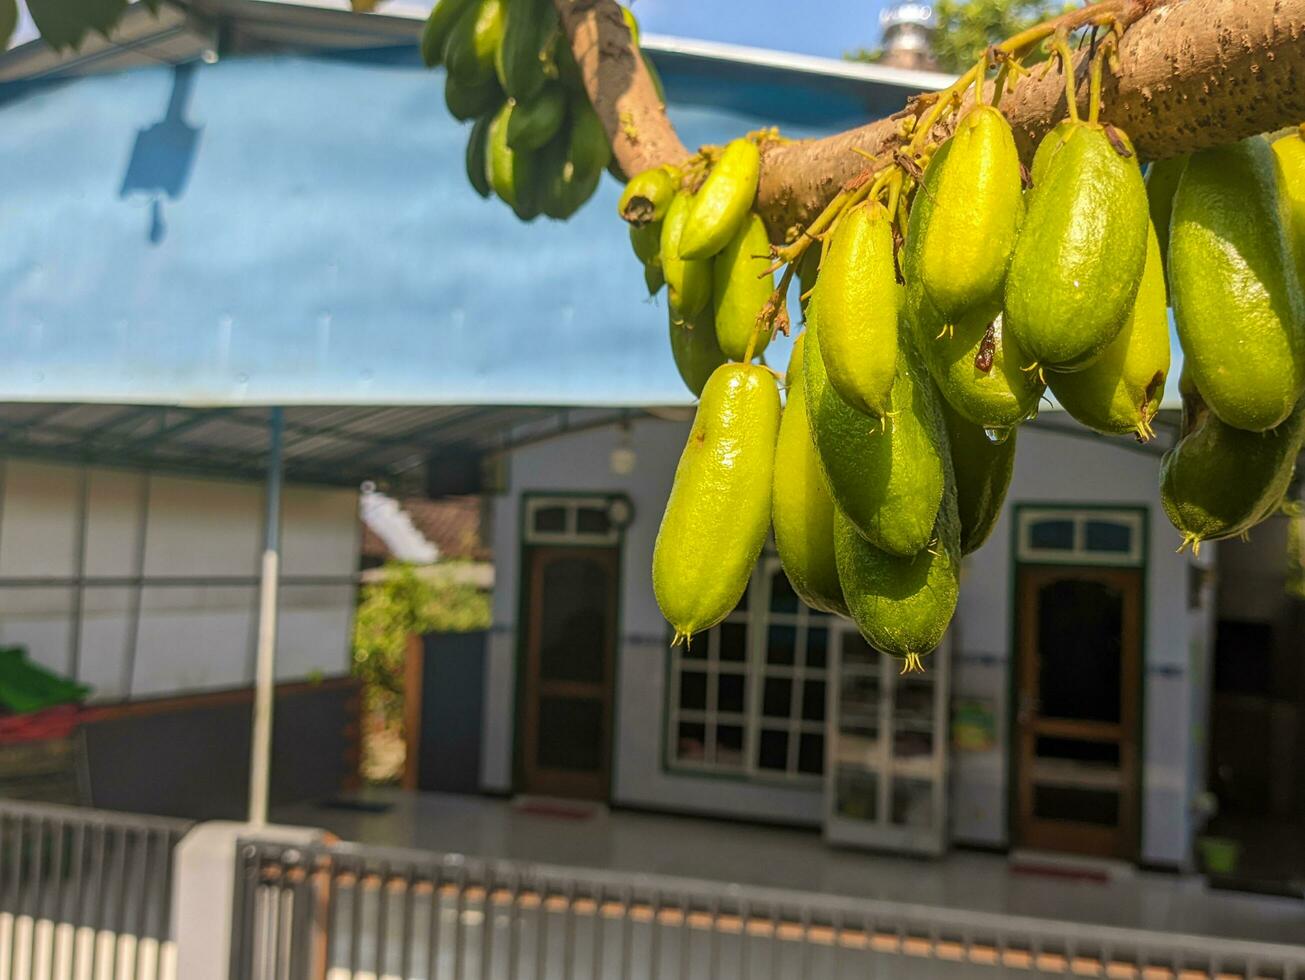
(966,26)
(404,602)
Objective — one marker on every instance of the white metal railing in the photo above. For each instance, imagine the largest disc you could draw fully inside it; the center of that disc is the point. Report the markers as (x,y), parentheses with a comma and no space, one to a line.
(85,894)
(359,913)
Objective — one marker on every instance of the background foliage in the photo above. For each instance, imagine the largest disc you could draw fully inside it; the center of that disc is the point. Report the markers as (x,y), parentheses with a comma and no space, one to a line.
(406,601)
(966,27)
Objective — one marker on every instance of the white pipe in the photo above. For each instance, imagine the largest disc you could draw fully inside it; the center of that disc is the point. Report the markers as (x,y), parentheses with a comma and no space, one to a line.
(260,757)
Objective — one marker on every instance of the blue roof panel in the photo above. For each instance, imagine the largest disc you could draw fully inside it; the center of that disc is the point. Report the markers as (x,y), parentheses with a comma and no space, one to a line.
(298,228)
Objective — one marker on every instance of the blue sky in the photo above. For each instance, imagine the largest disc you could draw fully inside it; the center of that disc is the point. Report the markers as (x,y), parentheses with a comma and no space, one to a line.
(833,27)
(829,28)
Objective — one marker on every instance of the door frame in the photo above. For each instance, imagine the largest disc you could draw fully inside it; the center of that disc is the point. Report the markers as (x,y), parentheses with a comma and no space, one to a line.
(524,550)
(1014,664)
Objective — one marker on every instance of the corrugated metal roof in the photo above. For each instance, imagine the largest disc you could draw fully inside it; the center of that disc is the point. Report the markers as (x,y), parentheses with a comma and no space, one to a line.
(334,445)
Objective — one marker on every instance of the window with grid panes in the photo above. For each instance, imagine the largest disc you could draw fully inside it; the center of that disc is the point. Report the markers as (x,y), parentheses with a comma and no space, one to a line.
(748,697)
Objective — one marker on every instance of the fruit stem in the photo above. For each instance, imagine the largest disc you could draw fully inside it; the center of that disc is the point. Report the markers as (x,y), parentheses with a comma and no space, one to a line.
(1066,58)
(1094,85)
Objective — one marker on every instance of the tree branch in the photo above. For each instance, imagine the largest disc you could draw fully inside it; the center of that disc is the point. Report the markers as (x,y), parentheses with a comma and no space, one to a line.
(619,86)
(1193,74)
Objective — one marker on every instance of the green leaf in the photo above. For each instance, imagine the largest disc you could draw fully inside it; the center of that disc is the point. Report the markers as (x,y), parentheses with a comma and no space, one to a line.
(64,23)
(8,21)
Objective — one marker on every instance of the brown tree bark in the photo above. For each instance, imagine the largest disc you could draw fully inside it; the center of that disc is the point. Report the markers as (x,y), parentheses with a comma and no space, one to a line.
(619,86)
(1193,74)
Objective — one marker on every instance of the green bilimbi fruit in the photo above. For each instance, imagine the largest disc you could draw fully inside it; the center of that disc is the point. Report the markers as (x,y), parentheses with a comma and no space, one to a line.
(1220,481)
(902,605)
(566,178)
(1237,302)
(1161,181)
(982,470)
(648,195)
(1290,153)
(471,101)
(966,216)
(1048,148)
(439,25)
(688,283)
(653,279)
(536,122)
(719,510)
(512,173)
(802,511)
(741,286)
(807,275)
(974,362)
(646,240)
(477,156)
(590,149)
(858,308)
(886,476)
(694,347)
(473,42)
(722,203)
(1081,250)
(523,54)
(1121,391)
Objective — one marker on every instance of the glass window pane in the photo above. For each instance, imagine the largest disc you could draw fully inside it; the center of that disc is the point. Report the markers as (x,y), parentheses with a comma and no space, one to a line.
(575,622)
(1080,633)
(693,690)
(1054,534)
(734,642)
(912,803)
(813,701)
(1095,806)
(729,746)
(550,519)
(773,750)
(856,794)
(858,653)
(777,697)
(912,743)
(691,741)
(729,692)
(811,753)
(914,701)
(817,647)
(782,597)
(781,644)
(1109,536)
(593,520)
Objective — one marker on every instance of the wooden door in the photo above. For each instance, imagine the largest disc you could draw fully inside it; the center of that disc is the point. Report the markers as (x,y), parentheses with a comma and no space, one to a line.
(1077,709)
(566,733)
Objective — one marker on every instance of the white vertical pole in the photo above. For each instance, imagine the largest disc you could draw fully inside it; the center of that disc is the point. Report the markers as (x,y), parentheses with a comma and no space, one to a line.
(260,761)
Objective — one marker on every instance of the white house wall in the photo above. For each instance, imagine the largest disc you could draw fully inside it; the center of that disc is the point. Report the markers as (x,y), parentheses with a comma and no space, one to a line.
(186,635)
(580,462)
(1050,468)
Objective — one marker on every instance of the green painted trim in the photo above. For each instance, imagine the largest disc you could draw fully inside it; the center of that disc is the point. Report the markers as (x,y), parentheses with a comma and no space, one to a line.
(524,550)
(1012,671)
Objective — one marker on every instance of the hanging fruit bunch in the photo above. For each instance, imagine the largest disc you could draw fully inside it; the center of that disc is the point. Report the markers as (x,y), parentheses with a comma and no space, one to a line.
(944,290)
(536,142)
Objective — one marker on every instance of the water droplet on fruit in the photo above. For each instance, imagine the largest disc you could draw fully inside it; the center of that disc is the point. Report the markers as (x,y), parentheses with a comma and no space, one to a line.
(997,436)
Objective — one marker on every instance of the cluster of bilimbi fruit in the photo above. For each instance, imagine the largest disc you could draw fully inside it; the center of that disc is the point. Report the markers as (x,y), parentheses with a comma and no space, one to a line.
(923,352)
(536,142)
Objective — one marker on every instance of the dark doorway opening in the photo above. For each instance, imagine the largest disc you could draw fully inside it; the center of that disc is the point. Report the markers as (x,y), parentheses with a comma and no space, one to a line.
(1257,719)
(1077,709)
(569,665)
